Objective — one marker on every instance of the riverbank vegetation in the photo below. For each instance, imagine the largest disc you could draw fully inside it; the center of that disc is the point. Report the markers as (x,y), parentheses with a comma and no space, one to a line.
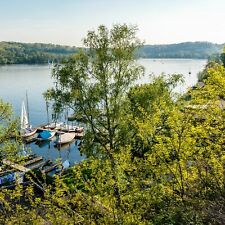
(39,53)
(153,157)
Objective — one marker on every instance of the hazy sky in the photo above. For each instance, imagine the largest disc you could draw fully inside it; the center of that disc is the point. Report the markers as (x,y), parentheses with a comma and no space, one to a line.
(67,21)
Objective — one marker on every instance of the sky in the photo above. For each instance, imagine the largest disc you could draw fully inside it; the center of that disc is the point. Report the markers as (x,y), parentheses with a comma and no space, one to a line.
(66,22)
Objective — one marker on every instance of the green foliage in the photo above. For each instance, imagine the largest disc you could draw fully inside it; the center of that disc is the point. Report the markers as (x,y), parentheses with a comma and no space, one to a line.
(160,157)
(94,84)
(222,56)
(149,105)
(8,129)
(181,151)
(152,158)
(17,53)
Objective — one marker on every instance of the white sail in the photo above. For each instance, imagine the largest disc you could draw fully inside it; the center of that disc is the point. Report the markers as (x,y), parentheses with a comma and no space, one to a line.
(24,118)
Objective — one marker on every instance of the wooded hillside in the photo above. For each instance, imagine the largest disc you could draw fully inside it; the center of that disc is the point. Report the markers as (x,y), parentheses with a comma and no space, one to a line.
(38,53)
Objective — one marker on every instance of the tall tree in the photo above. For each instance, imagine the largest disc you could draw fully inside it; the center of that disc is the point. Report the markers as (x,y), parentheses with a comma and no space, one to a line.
(94,84)
(95,81)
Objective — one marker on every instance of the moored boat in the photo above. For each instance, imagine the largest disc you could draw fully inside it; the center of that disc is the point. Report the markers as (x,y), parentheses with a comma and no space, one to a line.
(65,138)
(45,135)
(26,129)
(54,126)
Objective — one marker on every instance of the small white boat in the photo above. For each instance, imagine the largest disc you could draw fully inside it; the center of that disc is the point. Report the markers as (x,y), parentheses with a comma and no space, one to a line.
(65,138)
(29,132)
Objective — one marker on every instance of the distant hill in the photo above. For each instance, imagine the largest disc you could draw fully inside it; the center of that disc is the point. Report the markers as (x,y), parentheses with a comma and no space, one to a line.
(28,53)
(194,50)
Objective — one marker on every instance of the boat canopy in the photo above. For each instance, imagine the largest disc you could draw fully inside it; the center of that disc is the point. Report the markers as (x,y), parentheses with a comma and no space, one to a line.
(45,134)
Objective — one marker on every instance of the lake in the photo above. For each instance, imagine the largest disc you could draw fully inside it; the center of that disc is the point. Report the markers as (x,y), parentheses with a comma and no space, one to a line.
(15,80)
(189,68)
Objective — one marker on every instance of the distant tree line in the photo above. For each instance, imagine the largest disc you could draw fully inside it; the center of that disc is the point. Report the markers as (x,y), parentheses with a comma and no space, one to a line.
(18,53)
(193,50)
(39,53)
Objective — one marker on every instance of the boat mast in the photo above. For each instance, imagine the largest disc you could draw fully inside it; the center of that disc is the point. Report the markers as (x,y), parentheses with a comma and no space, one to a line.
(27,103)
(47,105)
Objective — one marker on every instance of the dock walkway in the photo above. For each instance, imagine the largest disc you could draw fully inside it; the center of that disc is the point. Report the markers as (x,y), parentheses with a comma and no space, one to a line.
(15,166)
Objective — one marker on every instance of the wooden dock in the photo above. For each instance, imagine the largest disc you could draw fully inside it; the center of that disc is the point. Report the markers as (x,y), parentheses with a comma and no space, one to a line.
(26,167)
(15,166)
(50,168)
(37,159)
(36,166)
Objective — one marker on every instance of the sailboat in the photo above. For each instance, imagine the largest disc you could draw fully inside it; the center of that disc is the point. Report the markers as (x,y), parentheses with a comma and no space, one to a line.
(26,128)
(45,135)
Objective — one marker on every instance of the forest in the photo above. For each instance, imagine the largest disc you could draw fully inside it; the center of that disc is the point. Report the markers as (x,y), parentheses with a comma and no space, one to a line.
(191,50)
(152,156)
(39,53)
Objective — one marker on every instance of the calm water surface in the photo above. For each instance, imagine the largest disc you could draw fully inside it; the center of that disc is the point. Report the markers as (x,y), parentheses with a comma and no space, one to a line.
(15,80)
(189,68)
